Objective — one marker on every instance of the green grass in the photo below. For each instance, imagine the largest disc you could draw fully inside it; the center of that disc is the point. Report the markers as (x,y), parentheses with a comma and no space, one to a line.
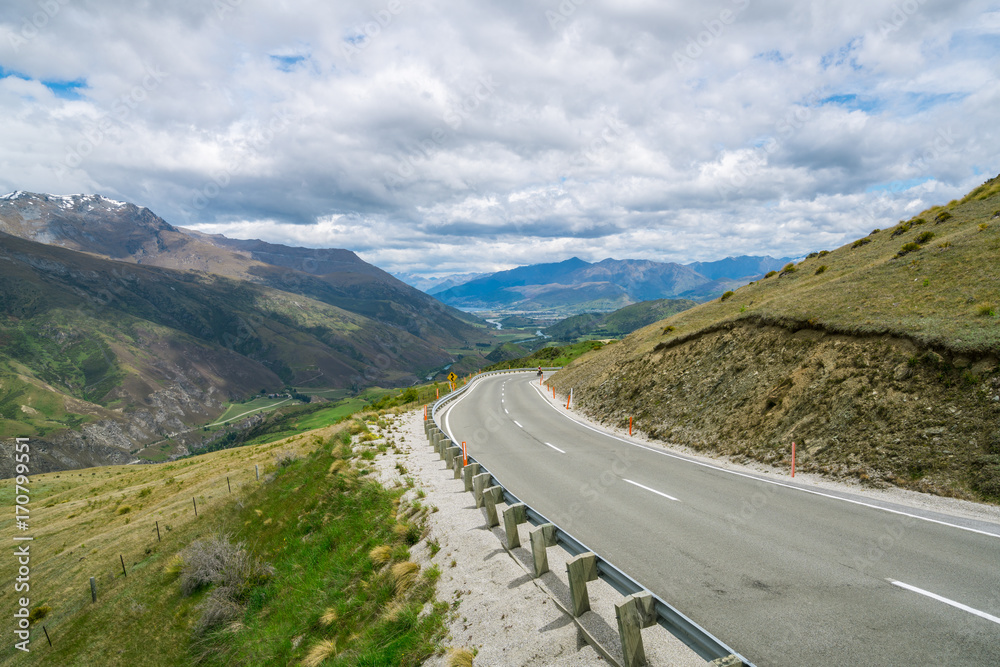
(252,406)
(550,356)
(314,525)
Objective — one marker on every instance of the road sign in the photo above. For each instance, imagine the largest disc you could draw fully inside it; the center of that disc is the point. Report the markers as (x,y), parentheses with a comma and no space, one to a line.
(452,377)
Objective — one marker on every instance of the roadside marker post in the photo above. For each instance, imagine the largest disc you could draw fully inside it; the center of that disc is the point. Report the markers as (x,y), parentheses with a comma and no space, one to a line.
(630,427)
(425,413)
(793,459)
(465,455)
(569,398)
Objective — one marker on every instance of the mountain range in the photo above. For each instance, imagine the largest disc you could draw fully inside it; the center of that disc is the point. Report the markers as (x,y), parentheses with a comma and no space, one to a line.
(574,285)
(119,329)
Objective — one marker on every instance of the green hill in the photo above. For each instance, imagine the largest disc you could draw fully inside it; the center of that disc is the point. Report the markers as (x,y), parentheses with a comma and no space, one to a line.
(879,358)
(617,323)
(98,357)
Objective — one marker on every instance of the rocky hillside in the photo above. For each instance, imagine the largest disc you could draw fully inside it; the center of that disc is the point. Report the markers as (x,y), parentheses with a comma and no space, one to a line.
(879,359)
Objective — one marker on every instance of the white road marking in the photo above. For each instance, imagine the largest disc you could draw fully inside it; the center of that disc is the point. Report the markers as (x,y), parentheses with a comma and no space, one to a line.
(518,423)
(506,410)
(957,605)
(562,412)
(555,448)
(642,486)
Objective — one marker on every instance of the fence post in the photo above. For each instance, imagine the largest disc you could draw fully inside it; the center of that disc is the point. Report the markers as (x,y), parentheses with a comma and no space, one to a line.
(470,471)
(456,465)
(581,569)
(541,537)
(123,566)
(157,531)
(93,590)
(479,483)
(195,503)
(256,470)
(634,613)
(491,497)
(512,517)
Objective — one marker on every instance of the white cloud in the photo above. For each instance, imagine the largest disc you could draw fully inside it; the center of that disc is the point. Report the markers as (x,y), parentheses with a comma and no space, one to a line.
(461,136)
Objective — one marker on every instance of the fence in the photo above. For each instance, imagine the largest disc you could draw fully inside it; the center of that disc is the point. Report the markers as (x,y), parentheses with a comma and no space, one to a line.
(639,609)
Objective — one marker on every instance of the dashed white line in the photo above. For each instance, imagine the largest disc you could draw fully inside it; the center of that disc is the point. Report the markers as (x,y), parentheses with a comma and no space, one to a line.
(643,486)
(935,596)
(518,423)
(555,448)
(506,410)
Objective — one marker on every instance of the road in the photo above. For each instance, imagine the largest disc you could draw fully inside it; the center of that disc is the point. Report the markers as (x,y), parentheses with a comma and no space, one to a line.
(783,572)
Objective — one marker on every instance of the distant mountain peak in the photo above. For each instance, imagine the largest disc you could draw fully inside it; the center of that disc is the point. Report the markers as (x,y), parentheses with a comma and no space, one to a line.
(65,201)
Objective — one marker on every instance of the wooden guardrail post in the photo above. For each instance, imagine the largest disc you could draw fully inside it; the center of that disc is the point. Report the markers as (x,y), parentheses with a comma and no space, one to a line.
(512,517)
(634,613)
(491,497)
(542,537)
(470,471)
(456,465)
(452,454)
(581,569)
(479,483)
(443,445)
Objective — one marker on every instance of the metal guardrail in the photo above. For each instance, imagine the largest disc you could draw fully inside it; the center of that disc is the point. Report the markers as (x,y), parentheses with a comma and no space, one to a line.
(701,641)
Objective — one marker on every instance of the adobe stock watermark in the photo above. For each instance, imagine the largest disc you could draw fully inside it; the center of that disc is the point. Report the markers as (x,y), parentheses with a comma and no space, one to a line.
(110,123)
(560,17)
(484,89)
(22,551)
(698,44)
(785,129)
(367,32)
(32,26)
(900,16)
(885,204)
(254,143)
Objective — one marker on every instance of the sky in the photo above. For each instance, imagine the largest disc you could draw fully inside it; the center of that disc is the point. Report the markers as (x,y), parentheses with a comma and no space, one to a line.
(442,137)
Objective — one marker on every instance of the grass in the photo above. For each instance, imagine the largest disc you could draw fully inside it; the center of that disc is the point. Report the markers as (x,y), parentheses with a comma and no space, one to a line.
(314,527)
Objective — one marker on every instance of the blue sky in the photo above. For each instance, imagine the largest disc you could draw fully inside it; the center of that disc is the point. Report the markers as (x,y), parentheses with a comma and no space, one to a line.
(446,137)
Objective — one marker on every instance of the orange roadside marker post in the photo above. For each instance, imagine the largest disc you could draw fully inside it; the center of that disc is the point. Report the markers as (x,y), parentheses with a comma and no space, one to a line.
(630,427)
(465,454)
(425,413)
(793,459)
(569,398)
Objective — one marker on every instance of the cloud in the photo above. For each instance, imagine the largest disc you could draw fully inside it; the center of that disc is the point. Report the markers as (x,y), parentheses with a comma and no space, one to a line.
(449,136)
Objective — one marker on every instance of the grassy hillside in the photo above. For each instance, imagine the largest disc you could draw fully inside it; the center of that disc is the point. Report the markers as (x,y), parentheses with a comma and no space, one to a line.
(881,356)
(324,569)
(553,355)
(618,323)
(109,356)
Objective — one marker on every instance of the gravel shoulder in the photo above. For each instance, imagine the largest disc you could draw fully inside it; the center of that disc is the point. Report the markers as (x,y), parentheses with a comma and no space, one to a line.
(500,612)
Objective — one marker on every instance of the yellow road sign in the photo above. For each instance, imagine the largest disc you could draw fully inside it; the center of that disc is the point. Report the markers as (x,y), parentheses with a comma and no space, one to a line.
(452,377)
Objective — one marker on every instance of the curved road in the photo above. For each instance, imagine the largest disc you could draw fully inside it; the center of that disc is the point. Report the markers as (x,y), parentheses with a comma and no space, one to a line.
(782,572)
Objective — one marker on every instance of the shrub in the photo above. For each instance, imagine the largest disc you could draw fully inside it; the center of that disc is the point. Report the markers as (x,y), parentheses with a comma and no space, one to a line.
(770,273)
(124,509)
(860,242)
(946,244)
(38,613)
(907,248)
(900,229)
(986,310)
(874,232)
(285,459)
(670,328)
(824,253)
(821,268)
(404,575)
(919,221)
(942,217)
(812,255)
(924,237)
(380,555)
(789,268)
(233,571)
(983,226)
(726,295)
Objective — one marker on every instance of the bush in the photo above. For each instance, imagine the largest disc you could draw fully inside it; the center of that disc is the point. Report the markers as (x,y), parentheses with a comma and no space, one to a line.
(986,310)
(924,237)
(770,273)
(824,253)
(983,226)
(285,459)
(821,268)
(789,268)
(901,228)
(919,221)
(727,294)
(907,248)
(942,217)
(860,242)
(233,571)
(670,328)
(38,613)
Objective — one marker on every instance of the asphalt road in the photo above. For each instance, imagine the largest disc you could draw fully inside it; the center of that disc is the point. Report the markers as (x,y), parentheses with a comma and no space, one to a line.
(782,572)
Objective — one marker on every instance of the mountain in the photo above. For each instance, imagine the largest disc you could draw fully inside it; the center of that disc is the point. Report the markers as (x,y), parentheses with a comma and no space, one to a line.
(739,268)
(122,231)
(880,359)
(119,330)
(618,323)
(435,285)
(575,285)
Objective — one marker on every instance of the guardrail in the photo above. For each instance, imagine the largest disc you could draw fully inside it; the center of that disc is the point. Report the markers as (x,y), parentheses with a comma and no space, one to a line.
(640,609)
